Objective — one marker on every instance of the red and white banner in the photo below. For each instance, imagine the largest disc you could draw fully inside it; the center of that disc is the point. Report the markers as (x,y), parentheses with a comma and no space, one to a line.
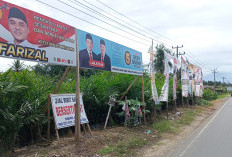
(176,65)
(184,78)
(27,35)
(64,110)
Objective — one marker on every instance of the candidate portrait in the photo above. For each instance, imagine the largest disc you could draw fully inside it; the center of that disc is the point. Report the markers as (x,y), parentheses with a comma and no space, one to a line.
(103,57)
(87,54)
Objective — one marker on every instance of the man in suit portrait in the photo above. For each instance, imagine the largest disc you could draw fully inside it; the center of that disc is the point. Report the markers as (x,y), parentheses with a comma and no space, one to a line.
(87,54)
(103,57)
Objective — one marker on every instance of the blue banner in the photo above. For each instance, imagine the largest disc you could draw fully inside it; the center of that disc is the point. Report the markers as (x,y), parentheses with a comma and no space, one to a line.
(102,54)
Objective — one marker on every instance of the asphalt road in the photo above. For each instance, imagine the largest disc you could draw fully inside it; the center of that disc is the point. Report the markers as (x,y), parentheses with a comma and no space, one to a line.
(213,139)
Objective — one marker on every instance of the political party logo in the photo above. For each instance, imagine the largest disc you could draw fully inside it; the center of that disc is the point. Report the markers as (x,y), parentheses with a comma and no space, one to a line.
(127,57)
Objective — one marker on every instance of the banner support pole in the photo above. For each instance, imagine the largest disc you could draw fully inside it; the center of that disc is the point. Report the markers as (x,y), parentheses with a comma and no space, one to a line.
(129,88)
(167,109)
(49,121)
(58,86)
(77,105)
(144,108)
(125,111)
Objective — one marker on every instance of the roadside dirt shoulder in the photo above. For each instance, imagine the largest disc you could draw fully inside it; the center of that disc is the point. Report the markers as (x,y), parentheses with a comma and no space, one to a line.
(169,141)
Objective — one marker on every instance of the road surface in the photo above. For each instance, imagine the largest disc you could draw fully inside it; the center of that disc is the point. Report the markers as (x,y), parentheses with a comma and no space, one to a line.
(213,139)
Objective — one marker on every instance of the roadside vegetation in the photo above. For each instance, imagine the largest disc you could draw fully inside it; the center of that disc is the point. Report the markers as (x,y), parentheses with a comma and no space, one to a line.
(24,93)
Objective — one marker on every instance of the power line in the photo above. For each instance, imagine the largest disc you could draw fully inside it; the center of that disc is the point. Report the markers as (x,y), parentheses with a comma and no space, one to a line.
(143,30)
(197,61)
(195,57)
(91,23)
(102,21)
(132,20)
(115,21)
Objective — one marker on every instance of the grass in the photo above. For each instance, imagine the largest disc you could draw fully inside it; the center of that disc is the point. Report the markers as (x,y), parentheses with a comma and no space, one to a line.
(164,125)
(168,126)
(122,147)
(129,145)
(188,116)
(222,96)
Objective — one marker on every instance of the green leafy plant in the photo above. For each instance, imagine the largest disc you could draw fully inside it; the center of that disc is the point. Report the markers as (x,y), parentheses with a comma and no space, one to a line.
(133,106)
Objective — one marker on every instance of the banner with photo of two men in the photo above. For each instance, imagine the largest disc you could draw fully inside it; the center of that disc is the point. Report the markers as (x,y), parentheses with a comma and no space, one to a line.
(99,53)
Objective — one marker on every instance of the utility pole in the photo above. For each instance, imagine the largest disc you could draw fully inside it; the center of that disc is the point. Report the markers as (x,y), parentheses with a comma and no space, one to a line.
(214,73)
(223,79)
(177,52)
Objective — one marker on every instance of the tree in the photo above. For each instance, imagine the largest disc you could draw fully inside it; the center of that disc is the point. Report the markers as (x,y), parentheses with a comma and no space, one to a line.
(159,58)
(17,66)
(49,69)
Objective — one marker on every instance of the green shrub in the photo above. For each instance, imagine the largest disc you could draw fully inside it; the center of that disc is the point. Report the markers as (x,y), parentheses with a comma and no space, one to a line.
(209,94)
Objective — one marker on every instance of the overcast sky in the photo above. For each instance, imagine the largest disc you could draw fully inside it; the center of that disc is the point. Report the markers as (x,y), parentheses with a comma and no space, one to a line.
(203,27)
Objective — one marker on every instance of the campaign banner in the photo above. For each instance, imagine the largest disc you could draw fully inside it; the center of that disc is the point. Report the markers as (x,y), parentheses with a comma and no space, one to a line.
(102,54)
(190,75)
(27,35)
(184,78)
(176,64)
(152,72)
(165,88)
(198,82)
(64,110)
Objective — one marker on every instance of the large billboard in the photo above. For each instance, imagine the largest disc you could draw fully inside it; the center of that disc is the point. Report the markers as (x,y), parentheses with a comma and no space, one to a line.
(27,35)
(99,53)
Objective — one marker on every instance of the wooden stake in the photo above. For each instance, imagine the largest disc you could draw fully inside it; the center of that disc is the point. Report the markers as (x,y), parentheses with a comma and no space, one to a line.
(89,129)
(144,108)
(107,116)
(154,113)
(192,100)
(83,125)
(129,88)
(125,112)
(167,109)
(58,86)
(182,101)
(49,121)
(77,105)
(57,135)
(188,101)
(175,105)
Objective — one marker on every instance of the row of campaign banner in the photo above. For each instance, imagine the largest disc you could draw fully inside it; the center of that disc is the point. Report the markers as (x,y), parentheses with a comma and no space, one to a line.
(28,35)
(191,78)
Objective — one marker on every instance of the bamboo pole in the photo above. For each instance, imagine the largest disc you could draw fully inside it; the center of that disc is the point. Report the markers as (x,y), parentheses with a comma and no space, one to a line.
(175,105)
(167,109)
(107,116)
(182,100)
(89,129)
(144,108)
(83,125)
(129,88)
(58,86)
(125,112)
(48,131)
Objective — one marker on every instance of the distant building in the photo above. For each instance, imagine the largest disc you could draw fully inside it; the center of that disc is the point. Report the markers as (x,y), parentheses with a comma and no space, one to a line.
(229,88)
